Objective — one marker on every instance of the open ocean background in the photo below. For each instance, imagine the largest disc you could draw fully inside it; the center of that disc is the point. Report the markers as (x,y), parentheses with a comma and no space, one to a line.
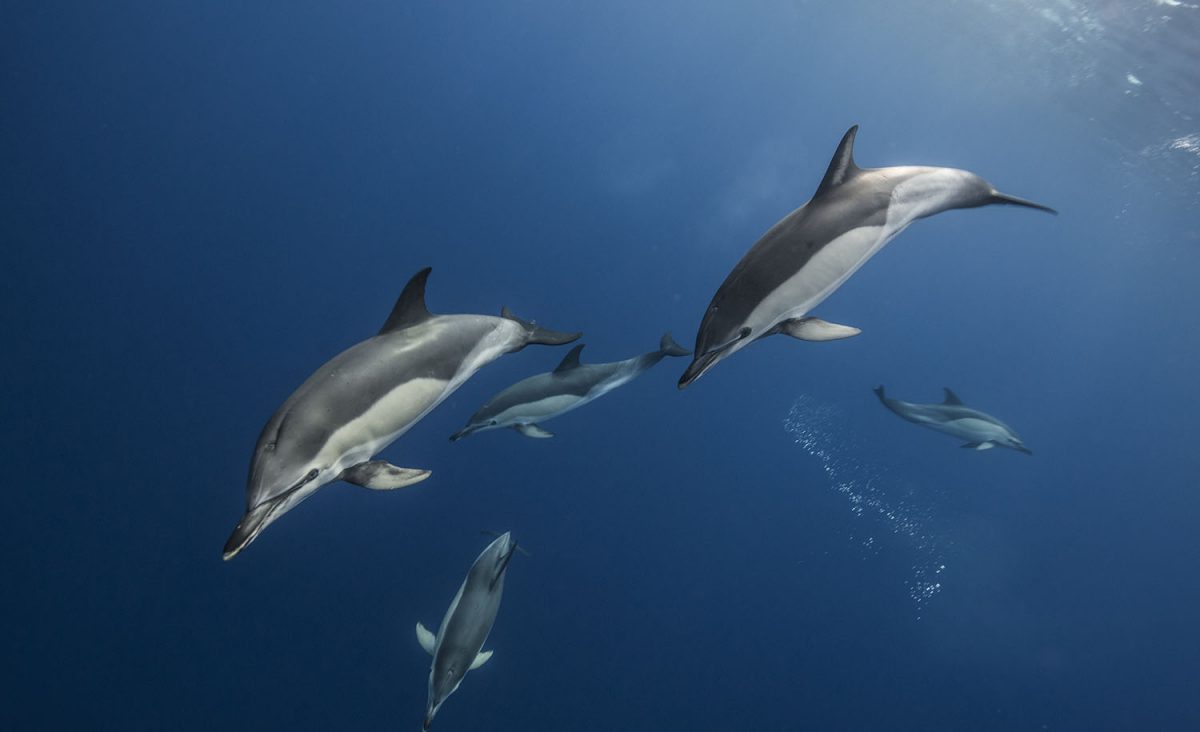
(202,202)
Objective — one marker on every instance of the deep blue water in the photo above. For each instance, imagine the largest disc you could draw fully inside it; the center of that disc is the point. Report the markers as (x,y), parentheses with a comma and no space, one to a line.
(203,202)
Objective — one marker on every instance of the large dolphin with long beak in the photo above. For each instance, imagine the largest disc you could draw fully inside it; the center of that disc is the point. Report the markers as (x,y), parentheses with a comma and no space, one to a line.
(365,398)
(458,645)
(529,402)
(802,259)
(980,430)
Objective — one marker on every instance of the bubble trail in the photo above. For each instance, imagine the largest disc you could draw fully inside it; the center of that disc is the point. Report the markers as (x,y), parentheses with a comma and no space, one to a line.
(888,505)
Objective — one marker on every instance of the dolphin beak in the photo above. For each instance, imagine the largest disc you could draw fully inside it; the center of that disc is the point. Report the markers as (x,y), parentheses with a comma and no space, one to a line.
(247,529)
(697,367)
(1026,450)
(469,429)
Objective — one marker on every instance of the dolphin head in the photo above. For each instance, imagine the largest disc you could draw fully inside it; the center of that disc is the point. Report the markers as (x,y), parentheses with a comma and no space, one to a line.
(1014,442)
(477,424)
(715,342)
(278,481)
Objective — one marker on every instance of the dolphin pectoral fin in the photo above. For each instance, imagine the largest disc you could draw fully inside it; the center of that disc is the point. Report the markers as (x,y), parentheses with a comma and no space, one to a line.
(480,659)
(980,445)
(380,475)
(815,329)
(427,640)
(533,430)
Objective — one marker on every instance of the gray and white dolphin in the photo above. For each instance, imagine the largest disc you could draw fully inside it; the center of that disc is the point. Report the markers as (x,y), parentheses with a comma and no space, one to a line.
(365,398)
(981,431)
(458,645)
(527,403)
(808,254)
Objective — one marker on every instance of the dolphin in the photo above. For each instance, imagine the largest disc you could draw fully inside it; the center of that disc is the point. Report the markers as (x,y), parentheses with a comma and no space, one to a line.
(526,403)
(981,431)
(366,397)
(458,645)
(808,254)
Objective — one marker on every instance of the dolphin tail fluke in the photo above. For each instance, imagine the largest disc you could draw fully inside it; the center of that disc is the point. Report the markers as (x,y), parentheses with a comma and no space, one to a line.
(539,335)
(879,393)
(998,197)
(668,347)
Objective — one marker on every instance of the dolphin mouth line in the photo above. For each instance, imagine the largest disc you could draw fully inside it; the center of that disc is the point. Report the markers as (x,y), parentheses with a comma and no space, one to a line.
(272,506)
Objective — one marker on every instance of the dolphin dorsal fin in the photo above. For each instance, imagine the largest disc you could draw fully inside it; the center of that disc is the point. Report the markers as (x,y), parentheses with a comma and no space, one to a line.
(410,306)
(951,398)
(570,361)
(842,166)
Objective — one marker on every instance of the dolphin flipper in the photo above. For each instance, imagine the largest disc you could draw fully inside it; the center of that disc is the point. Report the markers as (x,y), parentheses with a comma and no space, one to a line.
(380,475)
(815,329)
(481,659)
(533,430)
(427,640)
(980,445)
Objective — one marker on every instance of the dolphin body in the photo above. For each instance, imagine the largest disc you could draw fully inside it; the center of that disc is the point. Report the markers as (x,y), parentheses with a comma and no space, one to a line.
(808,254)
(458,645)
(981,431)
(531,401)
(366,397)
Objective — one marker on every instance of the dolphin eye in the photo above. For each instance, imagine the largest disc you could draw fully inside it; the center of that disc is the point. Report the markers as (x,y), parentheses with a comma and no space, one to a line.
(494,422)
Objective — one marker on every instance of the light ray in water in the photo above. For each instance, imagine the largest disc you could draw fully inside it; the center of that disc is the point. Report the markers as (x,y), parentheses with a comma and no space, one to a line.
(885,504)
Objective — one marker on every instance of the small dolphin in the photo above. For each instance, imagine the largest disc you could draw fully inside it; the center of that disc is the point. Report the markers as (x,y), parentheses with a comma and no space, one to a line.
(539,398)
(808,254)
(982,431)
(366,397)
(458,646)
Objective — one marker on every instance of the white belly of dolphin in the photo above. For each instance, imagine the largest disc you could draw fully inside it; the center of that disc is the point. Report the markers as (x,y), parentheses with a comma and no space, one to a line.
(972,429)
(542,409)
(390,417)
(819,277)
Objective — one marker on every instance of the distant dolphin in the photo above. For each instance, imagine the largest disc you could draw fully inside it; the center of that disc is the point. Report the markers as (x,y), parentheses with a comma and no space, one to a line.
(982,431)
(458,646)
(539,398)
(366,397)
(807,255)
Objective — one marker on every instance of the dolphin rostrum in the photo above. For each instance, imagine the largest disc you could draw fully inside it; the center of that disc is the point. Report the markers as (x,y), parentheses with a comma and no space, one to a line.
(808,254)
(525,404)
(366,397)
(458,645)
(981,431)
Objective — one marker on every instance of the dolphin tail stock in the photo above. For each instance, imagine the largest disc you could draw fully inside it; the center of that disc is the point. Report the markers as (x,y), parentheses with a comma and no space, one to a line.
(668,347)
(539,335)
(516,545)
(998,197)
